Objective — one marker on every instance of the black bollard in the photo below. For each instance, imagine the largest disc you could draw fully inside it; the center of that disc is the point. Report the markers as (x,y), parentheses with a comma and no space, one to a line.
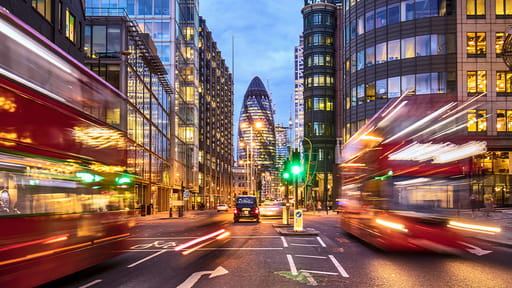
(170,212)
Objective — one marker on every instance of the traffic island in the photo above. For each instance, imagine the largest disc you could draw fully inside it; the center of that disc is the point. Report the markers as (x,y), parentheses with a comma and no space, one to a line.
(288,231)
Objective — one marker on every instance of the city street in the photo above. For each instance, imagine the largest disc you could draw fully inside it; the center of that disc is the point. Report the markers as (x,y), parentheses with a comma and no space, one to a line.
(255,255)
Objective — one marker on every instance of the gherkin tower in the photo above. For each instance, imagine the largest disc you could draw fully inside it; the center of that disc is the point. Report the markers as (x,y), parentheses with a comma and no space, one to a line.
(256,126)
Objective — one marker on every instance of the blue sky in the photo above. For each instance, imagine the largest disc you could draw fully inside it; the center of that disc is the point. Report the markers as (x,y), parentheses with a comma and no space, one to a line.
(265,33)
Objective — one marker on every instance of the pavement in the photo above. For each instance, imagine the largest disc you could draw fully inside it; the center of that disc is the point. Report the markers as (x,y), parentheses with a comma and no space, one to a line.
(501,218)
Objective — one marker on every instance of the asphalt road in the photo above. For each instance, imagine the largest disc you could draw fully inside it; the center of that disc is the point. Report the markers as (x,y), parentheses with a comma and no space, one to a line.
(255,255)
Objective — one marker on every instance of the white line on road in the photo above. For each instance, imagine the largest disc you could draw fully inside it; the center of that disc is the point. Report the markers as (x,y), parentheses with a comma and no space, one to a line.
(321,242)
(338,266)
(320,272)
(305,245)
(285,244)
(311,256)
(147,258)
(292,264)
(90,284)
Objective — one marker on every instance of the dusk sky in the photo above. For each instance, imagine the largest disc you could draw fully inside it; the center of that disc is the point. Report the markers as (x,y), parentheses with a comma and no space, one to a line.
(265,33)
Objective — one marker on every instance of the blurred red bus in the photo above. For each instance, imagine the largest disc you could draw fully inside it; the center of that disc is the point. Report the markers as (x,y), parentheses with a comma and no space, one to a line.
(405,171)
(66,198)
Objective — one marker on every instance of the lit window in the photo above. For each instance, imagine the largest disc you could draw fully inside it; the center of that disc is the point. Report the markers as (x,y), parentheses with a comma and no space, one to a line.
(476,7)
(477,81)
(44,7)
(503,82)
(500,38)
(503,7)
(477,120)
(476,43)
(70,26)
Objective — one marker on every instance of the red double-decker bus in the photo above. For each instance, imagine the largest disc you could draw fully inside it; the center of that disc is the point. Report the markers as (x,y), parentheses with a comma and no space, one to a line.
(406,171)
(66,197)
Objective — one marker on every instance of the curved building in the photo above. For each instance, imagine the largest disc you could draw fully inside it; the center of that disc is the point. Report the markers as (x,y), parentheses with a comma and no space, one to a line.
(257,126)
(320,91)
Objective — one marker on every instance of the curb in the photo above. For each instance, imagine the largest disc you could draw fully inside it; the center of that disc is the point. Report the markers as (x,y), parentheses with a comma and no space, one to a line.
(290,232)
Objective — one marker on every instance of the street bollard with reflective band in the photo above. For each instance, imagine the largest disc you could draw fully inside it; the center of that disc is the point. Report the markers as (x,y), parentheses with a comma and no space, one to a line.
(297,221)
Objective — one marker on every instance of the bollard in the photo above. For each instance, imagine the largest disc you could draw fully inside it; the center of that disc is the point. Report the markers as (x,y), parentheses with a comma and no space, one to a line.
(170,212)
(180,211)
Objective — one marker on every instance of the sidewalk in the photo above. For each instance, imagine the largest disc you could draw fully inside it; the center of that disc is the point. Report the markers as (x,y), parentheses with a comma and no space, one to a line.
(190,214)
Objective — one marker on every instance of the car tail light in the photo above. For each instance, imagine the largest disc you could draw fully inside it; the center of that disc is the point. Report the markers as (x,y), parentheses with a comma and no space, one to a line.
(257,210)
(235,210)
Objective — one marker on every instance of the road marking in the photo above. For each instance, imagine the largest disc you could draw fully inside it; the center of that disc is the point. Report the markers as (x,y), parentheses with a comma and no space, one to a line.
(293,268)
(338,266)
(476,250)
(321,242)
(285,244)
(320,272)
(192,279)
(147,258)
(306,245)
(90,284)
(310,279)
(311,256)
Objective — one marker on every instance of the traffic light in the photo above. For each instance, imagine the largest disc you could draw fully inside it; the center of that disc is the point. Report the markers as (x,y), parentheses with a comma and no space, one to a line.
(285,174)
(296,166)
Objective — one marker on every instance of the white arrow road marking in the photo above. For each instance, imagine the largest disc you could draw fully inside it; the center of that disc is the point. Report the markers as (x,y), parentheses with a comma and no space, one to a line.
(192,279)
(475,250)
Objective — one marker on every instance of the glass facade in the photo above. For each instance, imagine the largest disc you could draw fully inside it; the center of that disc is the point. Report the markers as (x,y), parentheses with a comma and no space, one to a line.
(148,125)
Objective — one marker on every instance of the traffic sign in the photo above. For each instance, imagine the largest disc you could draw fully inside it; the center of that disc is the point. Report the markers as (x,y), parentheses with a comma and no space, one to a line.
(297,221)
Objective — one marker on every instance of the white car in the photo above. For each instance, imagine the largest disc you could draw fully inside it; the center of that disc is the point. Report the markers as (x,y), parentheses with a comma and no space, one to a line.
(222,207)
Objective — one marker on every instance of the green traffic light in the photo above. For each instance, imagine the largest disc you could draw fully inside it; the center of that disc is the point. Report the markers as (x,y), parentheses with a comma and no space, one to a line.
(296,169)
(286,175)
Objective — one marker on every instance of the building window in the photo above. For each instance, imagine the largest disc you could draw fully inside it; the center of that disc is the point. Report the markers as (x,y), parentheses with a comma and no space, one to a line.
(477,120)
(500,38)
(394,13)
(423,44)
(503,7)
(370,56)
(476,44)
(504,120)
(318,129)
(477,81)
(370,92)
(407,10)
(380,53)
(393,50)
(476,7)
(408,48)
(316,80)
(70,26)
(370,21)
(381,88)
(360,59)
(380,17)
(44,7)
(319,39)
(503,82)
(319,104)
(319,60)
